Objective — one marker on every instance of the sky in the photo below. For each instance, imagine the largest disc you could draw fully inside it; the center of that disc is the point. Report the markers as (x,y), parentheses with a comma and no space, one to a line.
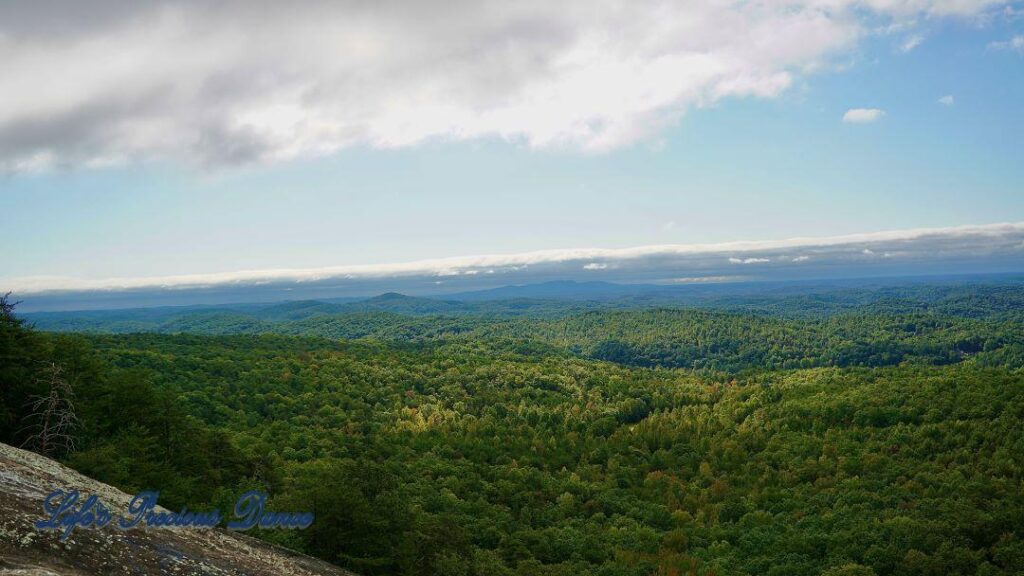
(177,144)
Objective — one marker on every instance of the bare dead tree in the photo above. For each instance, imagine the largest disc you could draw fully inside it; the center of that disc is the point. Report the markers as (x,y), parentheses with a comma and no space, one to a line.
(52,418)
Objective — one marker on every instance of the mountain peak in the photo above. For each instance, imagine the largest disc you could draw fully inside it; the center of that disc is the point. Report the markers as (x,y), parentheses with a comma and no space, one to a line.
(388,296)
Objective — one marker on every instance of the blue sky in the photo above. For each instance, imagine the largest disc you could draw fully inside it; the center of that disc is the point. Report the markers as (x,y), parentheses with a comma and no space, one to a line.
(768,163)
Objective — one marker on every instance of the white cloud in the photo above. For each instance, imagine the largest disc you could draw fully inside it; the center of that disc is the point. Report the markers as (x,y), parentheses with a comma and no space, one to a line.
(973,242)
(867,252)
(862,115)
(947,100)
(749,260)
(707,279)
(911,43)
(232,82)
(1015,44)
(801,259)
(594,266)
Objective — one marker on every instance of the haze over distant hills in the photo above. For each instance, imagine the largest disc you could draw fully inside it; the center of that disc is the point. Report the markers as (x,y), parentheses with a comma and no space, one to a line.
(934,321)
(556,299)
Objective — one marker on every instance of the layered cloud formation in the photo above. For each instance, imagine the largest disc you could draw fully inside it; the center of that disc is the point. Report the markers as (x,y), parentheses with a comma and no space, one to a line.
(112,81)
(988,248)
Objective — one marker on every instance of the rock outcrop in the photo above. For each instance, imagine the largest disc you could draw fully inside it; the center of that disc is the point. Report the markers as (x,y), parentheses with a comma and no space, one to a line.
(25,480)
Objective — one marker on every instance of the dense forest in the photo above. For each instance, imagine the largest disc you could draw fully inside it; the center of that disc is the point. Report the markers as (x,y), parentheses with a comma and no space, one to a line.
(846,432)
(927,324)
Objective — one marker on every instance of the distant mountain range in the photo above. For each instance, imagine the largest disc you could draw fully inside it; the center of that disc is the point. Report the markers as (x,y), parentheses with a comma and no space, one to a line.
(562,289)
(559,299)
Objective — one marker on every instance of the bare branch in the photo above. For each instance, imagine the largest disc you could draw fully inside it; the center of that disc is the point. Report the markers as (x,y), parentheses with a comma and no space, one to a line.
(53,415)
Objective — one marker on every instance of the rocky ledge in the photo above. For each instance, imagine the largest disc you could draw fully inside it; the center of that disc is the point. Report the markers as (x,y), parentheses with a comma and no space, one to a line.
(26,479)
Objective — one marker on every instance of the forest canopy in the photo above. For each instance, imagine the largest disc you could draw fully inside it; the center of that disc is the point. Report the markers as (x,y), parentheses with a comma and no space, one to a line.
(881,436)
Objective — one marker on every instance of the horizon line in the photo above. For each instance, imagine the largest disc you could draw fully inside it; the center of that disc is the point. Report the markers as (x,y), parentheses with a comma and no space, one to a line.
(694,260)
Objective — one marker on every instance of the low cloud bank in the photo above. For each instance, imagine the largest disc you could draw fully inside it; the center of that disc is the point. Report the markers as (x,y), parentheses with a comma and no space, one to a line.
(963,249)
